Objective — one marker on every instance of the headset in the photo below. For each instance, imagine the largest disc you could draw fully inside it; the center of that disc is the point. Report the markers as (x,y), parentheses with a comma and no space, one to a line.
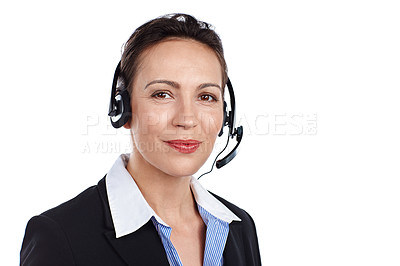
(120,112)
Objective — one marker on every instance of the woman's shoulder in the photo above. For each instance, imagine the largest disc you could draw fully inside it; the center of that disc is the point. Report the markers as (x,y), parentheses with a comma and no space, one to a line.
(73,227)
(85,203)
(83,213)
(73,233)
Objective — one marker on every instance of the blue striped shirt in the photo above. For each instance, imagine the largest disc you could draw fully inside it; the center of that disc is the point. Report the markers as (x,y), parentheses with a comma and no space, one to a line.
(216,235)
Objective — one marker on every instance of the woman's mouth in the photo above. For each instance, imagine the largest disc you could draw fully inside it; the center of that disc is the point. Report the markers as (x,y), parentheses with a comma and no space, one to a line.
(184,146)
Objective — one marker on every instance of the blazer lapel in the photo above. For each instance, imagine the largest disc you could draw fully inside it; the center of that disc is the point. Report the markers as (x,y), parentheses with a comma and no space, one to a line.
(233,253)
(142,247)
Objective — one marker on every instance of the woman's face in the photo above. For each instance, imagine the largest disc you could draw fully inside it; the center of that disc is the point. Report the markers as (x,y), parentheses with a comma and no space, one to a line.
(177,106)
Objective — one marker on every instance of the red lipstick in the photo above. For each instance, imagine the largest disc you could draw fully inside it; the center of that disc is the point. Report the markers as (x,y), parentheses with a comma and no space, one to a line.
(184,145)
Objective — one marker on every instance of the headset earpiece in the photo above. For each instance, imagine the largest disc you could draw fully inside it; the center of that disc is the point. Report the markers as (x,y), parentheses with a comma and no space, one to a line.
(120,102)
(122,112)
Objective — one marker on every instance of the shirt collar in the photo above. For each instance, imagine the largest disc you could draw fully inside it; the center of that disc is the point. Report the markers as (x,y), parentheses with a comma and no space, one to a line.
(130,210)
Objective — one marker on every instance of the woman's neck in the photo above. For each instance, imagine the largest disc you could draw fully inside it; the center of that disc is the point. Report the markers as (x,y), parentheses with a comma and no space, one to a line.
(169,196)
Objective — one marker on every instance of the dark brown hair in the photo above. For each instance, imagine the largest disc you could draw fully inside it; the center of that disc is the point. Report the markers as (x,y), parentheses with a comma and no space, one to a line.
(168,26)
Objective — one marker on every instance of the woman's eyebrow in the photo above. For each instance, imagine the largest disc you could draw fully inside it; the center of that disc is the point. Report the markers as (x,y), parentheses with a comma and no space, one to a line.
(163,81)
(177,86)
(205,85)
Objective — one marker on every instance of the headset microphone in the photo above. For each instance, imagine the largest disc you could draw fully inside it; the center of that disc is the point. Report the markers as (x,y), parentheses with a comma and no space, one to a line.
(120,113)
(230,122)
(239,134)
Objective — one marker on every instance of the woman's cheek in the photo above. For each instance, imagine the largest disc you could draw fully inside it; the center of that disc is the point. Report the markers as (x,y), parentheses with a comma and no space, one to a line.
(150,120)
(212,123)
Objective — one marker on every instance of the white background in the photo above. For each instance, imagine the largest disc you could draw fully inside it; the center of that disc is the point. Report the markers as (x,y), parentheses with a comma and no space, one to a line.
(316,85)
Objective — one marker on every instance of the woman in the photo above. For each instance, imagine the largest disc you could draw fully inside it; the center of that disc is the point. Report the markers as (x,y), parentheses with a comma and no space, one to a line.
(148,209)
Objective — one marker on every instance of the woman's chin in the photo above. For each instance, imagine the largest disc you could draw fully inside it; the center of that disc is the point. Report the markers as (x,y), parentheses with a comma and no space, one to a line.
(174,163)
(181,170)
(180,167)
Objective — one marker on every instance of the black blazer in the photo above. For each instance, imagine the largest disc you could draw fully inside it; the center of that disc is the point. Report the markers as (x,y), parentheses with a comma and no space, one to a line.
(81,232)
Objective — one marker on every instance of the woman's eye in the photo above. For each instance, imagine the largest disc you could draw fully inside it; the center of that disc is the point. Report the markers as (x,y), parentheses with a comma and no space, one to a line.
(207,98)
(161,95)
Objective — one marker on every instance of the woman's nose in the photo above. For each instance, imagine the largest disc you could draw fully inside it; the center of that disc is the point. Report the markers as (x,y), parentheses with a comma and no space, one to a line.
(185,115)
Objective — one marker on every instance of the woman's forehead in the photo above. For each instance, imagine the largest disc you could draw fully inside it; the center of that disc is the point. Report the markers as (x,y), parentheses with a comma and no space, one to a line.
(179,57)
